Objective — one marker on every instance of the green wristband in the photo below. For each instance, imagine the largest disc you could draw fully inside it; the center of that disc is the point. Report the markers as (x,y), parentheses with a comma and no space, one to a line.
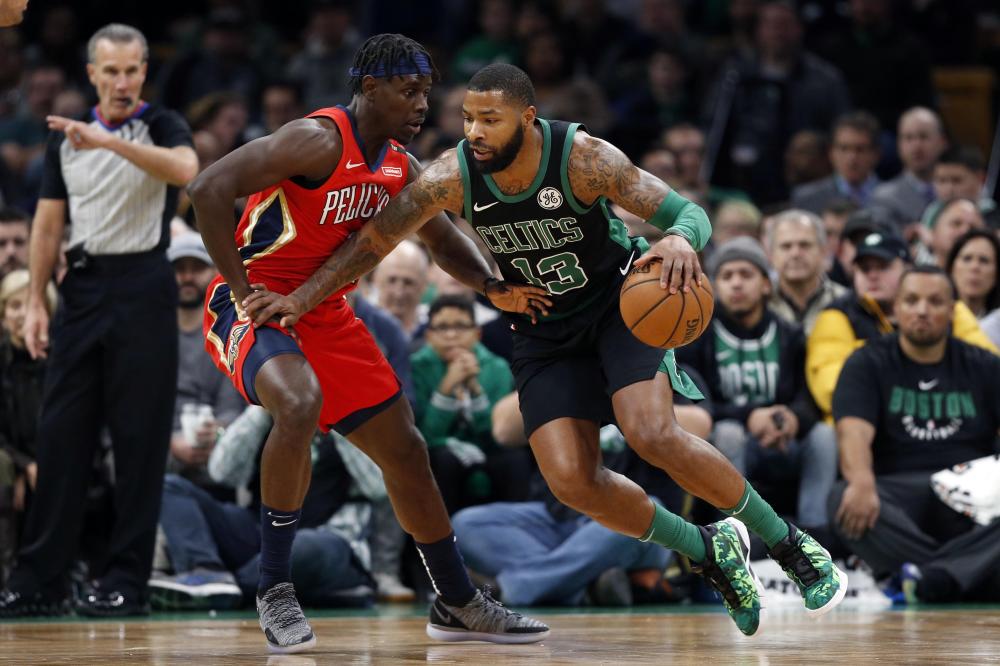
(667,213)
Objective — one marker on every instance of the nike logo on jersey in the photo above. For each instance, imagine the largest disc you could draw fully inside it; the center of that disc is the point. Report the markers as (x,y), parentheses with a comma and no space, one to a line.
(476,207)
(353,165)
(628,264)
(927,386)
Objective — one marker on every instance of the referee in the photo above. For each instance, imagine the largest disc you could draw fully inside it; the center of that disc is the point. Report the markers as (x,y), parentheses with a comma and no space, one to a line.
(113,351)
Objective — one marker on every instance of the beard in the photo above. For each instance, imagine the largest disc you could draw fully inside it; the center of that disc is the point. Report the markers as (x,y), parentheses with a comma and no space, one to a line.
(504,155)
(927,337)
(190,296)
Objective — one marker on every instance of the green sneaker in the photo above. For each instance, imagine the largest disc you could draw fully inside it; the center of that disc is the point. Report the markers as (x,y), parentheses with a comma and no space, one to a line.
(808,564)
(727,568)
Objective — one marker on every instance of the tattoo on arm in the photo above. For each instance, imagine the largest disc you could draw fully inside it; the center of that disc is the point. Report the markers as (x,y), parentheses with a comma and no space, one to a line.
(432,192)
(597,168)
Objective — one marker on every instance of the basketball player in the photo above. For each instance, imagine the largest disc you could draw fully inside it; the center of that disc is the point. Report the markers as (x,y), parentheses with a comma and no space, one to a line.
(537,193)
(313,183)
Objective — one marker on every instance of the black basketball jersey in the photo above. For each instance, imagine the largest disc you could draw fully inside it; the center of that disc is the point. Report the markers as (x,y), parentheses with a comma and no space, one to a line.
(543,235)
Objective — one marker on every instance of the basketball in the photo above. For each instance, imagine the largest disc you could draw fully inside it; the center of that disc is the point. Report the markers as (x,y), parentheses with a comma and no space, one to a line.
(658,318)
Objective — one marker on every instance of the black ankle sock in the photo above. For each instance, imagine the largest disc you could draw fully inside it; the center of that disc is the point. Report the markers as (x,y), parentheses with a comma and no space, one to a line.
(446,569)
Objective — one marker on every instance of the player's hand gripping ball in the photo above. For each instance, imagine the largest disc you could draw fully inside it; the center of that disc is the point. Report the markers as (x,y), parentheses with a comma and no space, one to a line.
(660,319)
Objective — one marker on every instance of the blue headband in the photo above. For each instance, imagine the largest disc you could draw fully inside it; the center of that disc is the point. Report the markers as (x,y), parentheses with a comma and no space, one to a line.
(420,64)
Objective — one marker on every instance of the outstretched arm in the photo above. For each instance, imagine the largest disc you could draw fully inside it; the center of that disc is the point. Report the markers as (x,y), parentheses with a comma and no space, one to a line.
(599,169)
(307,147)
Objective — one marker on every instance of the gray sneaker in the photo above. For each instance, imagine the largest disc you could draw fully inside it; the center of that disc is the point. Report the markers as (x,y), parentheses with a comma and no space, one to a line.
(483,619)
(281,618)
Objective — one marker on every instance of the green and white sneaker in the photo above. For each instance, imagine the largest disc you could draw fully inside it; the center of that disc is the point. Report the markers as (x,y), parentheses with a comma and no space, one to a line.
(809,566)
(727,569)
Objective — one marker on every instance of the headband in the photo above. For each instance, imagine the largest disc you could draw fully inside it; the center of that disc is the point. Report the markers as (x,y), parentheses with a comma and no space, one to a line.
(419,64)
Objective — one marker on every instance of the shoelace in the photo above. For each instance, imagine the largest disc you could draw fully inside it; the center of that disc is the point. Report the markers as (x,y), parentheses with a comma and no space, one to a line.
(792,557)
(283,610)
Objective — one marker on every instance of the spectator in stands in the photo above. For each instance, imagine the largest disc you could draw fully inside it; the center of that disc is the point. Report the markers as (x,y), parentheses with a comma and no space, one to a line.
(752,361)
(798,253)
(558,94)
(867,314)
(447,129)
(854,154)
(214,546)
(494,43)
(331,40)
(960,172)
(399,282)
(733,219)
(860,223)
(281,102)
(687,143)
(886,68)
(944,222)
(835,215)
(807,158)
(767,98)
(661,163)
(906,406)
(972,265)
(15,227)
(20,403)
(224,115)
(920,140)
(586,33)
(541,552)
(457,381)
(199,383)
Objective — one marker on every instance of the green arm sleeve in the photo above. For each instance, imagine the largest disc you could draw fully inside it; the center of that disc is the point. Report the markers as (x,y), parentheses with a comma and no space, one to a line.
(676,215)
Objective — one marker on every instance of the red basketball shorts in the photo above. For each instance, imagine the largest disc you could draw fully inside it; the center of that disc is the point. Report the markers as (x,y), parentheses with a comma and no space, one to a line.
(356,380)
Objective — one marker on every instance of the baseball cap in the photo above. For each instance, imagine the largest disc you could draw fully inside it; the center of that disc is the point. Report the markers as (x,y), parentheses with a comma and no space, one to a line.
(188,244)
(739,248)
(884,245)
(868,221)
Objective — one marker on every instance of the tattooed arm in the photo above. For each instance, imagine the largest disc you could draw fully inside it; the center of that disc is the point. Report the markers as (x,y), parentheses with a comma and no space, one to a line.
(598,169)
(436,189)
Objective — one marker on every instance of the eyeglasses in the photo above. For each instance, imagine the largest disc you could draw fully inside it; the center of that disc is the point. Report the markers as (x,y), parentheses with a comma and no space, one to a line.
(453,328)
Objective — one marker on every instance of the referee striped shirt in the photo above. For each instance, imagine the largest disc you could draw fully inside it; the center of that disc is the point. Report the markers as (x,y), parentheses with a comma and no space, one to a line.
(114,206)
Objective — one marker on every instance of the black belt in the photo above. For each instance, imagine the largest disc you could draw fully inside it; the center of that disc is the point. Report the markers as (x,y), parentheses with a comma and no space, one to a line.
(79,259)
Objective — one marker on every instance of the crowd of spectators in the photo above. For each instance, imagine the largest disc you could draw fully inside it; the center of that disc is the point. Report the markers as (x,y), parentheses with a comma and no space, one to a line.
(852,232)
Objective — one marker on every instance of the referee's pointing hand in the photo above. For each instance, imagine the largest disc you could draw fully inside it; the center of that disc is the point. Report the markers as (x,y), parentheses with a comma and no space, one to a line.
(81,135)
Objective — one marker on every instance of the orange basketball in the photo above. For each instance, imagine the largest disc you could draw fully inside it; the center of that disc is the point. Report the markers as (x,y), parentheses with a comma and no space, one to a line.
(658,318)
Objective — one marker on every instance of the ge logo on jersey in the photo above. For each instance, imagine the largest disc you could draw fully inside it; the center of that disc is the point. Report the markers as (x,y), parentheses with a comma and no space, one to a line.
(550,198)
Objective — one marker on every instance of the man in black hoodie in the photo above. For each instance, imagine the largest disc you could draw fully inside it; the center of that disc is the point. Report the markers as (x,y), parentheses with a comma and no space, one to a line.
(753,363)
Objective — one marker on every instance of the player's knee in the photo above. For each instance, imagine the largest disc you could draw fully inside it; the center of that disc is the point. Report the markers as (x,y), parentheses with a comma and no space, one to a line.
(299,409)
(653,438)
(575,490)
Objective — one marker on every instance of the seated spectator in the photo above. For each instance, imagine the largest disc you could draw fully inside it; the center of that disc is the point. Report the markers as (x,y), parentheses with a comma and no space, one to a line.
(687,143)
(224,115)
(920,140)
(15,228)
(399,282)
(541,552)
(972,266)
(457,381)
(21,380)
(835,215)
(214,546)
(798,253)
(859,224)
(734,219)
(960,172)
(280,103)
(906,406)
(752,362)
(331,40)
(200,386)
(494,43)
(807,158)
(867,314)
(854,152)
(945,222)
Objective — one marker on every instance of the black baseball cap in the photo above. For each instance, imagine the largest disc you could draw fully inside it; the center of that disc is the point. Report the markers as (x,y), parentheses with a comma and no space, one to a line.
(868,221)
(884,245)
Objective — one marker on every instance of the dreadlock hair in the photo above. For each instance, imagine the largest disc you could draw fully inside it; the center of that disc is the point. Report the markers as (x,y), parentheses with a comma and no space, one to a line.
(508,79)
(386,52)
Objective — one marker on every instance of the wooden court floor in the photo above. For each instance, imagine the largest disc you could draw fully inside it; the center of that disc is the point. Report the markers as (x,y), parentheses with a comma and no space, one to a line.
(930,636)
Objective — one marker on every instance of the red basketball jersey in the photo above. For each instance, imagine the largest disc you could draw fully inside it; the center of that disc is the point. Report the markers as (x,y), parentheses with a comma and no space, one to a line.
(288,230)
